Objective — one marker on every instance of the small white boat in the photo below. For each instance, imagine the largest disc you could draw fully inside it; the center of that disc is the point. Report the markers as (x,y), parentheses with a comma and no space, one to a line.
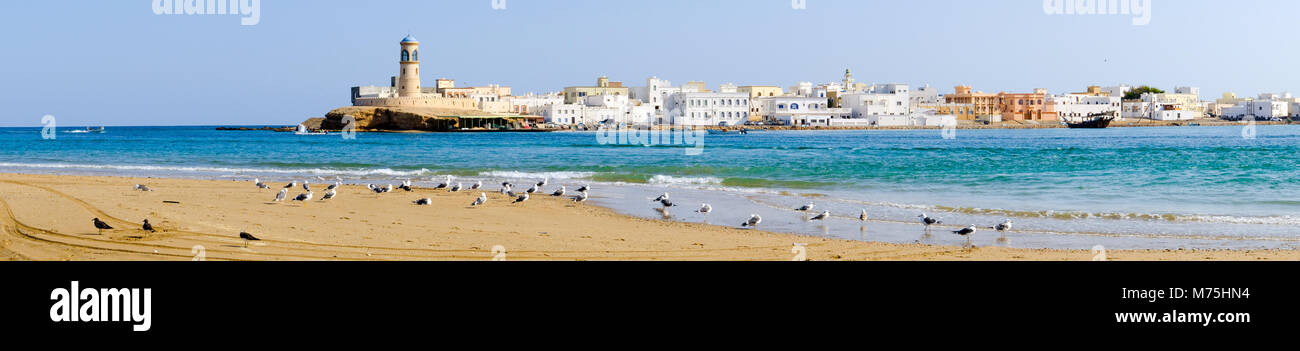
(302,130)
(88,130)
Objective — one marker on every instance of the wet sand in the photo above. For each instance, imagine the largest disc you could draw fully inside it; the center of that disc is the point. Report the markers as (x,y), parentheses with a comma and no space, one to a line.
(48,218)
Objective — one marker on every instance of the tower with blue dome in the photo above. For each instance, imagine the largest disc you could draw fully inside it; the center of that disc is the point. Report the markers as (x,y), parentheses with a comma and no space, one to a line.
(408,82)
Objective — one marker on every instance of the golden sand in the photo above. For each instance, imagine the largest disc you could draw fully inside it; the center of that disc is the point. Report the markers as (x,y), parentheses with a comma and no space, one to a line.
(48,218)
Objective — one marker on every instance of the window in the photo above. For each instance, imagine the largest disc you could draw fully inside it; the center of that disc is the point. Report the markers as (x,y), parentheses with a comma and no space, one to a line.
(415,55)
(794,106)
(406,56)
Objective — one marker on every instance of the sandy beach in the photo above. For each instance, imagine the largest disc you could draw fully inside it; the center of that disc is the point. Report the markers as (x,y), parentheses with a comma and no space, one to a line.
(48,218)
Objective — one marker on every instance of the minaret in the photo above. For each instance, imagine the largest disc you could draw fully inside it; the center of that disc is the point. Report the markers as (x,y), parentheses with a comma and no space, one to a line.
(408,82)
(848,80)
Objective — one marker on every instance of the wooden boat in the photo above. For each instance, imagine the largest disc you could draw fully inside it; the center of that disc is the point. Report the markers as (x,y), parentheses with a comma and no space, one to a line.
(1093,121)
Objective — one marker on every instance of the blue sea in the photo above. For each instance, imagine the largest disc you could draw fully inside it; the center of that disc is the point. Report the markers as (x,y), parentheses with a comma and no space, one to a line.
(1122,188)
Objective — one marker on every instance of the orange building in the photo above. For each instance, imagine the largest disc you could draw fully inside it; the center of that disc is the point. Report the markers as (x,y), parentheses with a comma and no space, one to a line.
(1012,107)
(982,104)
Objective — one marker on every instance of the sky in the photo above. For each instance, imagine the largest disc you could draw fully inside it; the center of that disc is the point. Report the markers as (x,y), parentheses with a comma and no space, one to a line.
(117,63)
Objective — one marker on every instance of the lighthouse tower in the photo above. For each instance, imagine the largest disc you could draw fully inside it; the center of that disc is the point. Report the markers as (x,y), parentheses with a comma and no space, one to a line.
(408,82)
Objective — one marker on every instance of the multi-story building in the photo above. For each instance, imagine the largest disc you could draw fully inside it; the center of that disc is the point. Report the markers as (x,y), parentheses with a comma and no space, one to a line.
(1082,105)
(879,100)
(707,109)
(532,104)
(1027,106)
(603,86)
(981,103)
(803,111)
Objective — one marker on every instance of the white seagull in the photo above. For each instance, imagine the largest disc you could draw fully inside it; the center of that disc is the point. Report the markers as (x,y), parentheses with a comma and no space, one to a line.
(477,185)
(482,199)
(582,197)
(507,189)
(821,217)
(863,216)
(281,195)
(444,185)
(456,189)
(753,221)
(925,219)
(1005,226)
(304,197)
(260,184)
(533,189)
(559,193)
(660,198)
(705,209)
(521,198)
(329,194)
(806,208)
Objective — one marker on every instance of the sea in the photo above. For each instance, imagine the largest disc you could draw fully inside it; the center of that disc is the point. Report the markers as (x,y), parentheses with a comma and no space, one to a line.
(1160,188)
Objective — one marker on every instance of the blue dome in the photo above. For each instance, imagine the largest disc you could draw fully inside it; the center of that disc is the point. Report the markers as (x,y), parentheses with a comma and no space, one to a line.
(409,39)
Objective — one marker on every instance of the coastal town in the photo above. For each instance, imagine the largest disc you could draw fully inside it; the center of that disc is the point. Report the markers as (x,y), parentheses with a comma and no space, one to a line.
(406,103)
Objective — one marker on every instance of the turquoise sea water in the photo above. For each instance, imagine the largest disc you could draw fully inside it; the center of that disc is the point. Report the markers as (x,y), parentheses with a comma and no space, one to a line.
(1205,187)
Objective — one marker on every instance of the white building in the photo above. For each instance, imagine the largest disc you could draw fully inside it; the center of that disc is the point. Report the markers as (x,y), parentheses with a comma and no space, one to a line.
(1267,106)
(1077,106)
(707,109)
(802,89)
(654,92)
(803,111)
(1118,90)
(926,95)
(533,104)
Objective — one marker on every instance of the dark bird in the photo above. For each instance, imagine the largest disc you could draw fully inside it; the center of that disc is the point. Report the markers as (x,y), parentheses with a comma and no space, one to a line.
(806,208)
(482,199)
(333,186)
(329,194)
(304,197)
(925,219)
(705,209)
(582,197)
(456,189)
(477,185)
(753,221)
(306,186)
(424,202)
(247,237)
(558,193)
(260,184)
(291,185)
(1005,226)
(966,233)
(444,185)
(521,198)
(584,188)
(148,227)
(667,203)
(101,226)
(660,198)
(406,185)
(533,189)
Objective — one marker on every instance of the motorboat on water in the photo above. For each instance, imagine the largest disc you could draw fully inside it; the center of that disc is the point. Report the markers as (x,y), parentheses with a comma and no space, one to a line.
(302,130)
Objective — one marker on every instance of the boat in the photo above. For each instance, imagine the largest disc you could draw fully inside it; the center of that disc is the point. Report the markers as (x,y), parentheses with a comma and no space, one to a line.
(728,131)
(88,130)
(1093,121)
(302,130)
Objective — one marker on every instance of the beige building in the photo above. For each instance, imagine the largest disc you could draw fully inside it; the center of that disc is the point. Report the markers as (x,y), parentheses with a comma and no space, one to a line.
(408,83)
(573,95)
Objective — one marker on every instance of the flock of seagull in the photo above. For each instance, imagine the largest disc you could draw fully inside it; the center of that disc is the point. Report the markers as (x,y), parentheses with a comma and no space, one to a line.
(508,189)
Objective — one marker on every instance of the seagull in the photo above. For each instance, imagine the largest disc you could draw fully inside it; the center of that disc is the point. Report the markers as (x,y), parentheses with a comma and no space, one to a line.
(1005,226)
(660,198)
(521,198)
(558,193)
(507,185)
(329,194)
(142,187)
(306,186)
(705,209)
(291,185)
(281,195)
(259,184)
(582,197)
(753,221)
(477,185)
(542,184)
(388,189)
(424,202)
(247,237)
(334,186)
(482,199)
(444,185)
(406,185)
(456,189)
(507,189)
(863,216)
(966,233)
(584,188)
(148,227)
(823,216)
(667,203)
(101,226)
(533,189)
(925,219)
(304,197)
(806,208)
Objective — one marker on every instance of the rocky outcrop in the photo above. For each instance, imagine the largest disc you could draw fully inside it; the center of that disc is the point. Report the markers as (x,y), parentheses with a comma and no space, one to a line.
(371,118)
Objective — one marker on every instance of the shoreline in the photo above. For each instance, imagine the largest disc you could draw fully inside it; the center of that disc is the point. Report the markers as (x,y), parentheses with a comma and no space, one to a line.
(47,218)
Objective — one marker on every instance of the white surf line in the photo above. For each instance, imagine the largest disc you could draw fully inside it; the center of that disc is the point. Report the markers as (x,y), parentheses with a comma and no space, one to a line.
(1053,232)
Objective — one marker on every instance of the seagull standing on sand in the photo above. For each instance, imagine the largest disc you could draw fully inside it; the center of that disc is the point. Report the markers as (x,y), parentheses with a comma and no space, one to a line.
(424,202)
(821,217)
(533,189)
(329,194)
(753,221)
(281,195)
(584,188)
(291,185)
(806,208)
(148,227)
(558,193)
(477,185)
(456,189)
(522,198)
(334,186)
(482,199)
(388,189)
(260,184)
(705,209)
(304,197)
(507,189)
(443,185)
(406,185)
(142,187)
(101,226)
(582,197)
(541,186)
(247,237)
(306,186)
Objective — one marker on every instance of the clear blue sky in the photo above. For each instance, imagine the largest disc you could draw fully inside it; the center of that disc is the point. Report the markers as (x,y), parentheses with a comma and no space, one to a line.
(116,63)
